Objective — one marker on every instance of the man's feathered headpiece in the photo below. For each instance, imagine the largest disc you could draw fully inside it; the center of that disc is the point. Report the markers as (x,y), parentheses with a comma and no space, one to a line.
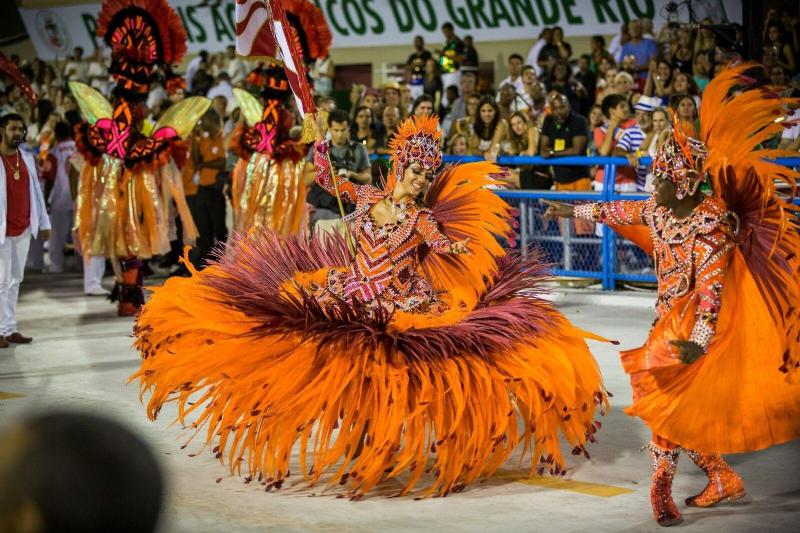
(680,160)
(142,35)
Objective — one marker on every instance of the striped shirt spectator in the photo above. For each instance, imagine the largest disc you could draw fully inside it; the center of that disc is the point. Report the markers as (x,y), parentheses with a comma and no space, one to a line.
(631,141)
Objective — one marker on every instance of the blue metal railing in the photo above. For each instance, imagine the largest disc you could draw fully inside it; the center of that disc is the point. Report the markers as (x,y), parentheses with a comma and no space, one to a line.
(572,254)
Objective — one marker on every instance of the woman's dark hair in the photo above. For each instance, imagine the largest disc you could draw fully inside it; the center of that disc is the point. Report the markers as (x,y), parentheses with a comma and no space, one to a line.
(354,126)
(361,108)
(421,98)
(667,63)
(485,131)
(693,88)
(610,102)
(589,114)
(675,102)
(557,64)
(774,24)
(600,40)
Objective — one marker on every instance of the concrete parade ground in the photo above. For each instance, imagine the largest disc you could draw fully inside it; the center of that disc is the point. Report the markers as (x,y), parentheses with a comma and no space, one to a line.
(82,357)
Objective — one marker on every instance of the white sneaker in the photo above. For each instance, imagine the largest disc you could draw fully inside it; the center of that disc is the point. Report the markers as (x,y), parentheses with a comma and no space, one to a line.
(97,291)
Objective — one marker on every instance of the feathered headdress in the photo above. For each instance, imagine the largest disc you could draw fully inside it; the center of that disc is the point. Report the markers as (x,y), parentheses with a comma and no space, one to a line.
(12,71)
(310,29)
(142,35)
(680,159)
(271,81)
(416,139)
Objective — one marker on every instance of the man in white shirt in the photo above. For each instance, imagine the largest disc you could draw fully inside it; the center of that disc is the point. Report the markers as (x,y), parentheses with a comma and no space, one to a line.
(97,72)
(514,73)
(23,215)
(156,95)
(222,87)
(76,69)
(237,68)
(533,56)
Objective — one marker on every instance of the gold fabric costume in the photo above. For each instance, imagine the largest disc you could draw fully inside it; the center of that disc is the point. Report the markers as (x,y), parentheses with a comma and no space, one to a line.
(268,189)
(123,212)
(269,194)
(126,192)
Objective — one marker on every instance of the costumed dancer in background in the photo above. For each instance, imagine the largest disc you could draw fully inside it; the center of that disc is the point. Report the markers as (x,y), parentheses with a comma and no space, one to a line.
(430,349)
(718,373)
(268,189)
(129,178)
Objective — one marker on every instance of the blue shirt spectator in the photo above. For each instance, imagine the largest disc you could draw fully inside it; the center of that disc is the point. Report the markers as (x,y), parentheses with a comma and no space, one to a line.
(641,48)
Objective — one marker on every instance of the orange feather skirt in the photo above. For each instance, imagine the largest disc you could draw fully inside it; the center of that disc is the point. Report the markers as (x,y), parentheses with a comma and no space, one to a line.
(262,371)
(739,397)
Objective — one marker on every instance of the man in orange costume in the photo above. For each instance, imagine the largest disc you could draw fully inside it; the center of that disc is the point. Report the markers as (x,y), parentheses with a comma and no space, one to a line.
(726,328)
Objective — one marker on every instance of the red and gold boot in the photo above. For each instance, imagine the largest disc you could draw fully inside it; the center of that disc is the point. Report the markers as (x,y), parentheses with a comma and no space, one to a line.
(724,484)
(665,462)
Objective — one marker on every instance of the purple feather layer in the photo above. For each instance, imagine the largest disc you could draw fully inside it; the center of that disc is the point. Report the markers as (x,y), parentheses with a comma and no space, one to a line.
(250,271)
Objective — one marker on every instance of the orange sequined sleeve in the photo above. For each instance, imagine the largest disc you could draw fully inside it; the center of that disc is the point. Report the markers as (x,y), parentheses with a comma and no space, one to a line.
(623,212)
(711,254)
(428,228)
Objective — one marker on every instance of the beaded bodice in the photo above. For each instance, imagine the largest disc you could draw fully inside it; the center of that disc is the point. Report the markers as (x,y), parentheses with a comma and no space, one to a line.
(691,254)
(386,258)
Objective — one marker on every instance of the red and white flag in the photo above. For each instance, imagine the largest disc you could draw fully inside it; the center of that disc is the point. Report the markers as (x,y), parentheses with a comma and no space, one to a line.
(264,34)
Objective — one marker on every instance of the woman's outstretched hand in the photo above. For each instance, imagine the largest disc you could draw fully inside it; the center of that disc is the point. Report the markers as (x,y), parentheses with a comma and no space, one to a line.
(558,210)
(460,247)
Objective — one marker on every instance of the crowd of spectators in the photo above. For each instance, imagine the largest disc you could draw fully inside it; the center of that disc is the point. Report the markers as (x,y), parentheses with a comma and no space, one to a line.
(611,100)
(650,71)
(555,103)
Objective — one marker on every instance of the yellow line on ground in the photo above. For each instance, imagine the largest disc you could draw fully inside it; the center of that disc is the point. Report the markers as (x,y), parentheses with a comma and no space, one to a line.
(9,395)
(571,485)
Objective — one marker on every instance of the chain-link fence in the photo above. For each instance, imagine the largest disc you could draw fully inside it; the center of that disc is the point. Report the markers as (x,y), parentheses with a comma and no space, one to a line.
(578,248)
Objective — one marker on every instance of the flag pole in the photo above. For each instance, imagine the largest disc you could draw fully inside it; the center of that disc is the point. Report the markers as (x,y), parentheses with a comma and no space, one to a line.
(350,243)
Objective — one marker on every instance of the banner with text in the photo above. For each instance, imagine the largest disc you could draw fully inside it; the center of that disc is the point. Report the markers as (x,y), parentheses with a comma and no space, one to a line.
(356,23)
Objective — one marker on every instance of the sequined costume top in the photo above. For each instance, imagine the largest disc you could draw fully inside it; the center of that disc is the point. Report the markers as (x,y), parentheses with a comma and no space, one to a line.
(691,254)
(384,270)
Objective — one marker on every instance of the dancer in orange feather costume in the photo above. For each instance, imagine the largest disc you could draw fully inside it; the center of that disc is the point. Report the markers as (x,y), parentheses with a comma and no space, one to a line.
(718,373)
(430,350)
